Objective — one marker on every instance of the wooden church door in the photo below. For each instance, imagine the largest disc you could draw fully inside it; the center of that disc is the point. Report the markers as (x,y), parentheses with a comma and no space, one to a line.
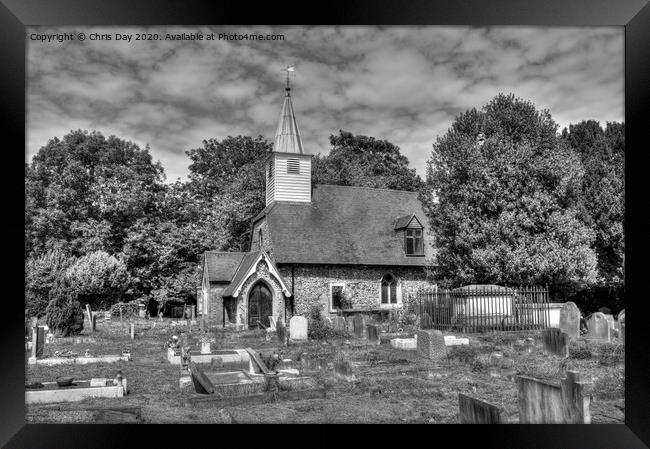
(260,305)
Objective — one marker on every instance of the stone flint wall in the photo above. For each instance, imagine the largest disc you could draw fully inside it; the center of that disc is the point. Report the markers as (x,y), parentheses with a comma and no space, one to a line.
(362,285)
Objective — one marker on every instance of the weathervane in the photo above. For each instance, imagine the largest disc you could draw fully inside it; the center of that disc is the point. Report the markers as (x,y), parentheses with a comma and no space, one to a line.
(289,70)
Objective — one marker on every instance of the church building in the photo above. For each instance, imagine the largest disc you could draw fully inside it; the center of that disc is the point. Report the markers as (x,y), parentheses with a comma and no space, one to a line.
(357,249)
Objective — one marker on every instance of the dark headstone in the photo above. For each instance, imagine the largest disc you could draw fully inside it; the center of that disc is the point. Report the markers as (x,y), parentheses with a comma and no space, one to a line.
(93,323)
(556,341)
(342,367)
(338,323)
(201,383)
(359,323)
(373,334)
(431,344)
(474,411)
(281,332)
(570,319)
(38,341)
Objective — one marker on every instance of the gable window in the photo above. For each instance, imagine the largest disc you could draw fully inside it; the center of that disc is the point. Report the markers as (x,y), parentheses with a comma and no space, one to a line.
(414,242)
(389,289)
(293,166)
(337,297)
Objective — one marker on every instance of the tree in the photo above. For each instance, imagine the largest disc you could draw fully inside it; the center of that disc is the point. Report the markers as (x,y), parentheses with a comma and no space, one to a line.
(99,279)
(227,178)
(363,161)
(40,275)
(503,199)
(84,191)
(64,314)
(603,155)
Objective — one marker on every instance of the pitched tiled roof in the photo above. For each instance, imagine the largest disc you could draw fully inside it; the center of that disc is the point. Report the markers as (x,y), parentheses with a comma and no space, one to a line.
(243,269)
(345,225)
(221,266)
(404,221)
(238,277)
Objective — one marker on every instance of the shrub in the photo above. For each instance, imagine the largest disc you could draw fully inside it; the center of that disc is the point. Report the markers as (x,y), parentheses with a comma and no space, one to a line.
(318,329)
(465,354)
(580,350)
(64,314)
(40,276)
(129,309)
(610,355)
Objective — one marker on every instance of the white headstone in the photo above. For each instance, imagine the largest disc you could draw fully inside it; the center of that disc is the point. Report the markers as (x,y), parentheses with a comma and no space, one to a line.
(298,328)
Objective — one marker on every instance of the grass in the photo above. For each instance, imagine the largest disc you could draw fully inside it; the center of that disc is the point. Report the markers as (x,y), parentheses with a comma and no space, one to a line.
(391,386)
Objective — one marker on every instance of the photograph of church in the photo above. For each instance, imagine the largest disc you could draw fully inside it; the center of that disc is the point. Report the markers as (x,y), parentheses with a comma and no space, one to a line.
(341,247)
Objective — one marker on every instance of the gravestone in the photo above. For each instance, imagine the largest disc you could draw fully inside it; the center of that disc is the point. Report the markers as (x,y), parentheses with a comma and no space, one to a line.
(338,323)
(38,341)
(132,331)
(431,344)
(373,334)
(90,314)
(474,411)
(570,319)
(359,323)
(541,402)
(343,367)
(598,327)
(93,322)
(610,319)
(556,341)
(621,326)
(349,324)
(281,331)
(298,328)
(26,323)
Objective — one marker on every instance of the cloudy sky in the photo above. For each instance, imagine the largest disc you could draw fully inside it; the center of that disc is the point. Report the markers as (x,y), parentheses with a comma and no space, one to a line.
(403,84)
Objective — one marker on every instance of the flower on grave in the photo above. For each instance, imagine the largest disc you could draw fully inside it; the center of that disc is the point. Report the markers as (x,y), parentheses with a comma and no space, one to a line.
(207,339)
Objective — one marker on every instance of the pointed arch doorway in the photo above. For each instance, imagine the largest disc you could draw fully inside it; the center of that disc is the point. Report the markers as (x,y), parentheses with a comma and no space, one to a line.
(260,305)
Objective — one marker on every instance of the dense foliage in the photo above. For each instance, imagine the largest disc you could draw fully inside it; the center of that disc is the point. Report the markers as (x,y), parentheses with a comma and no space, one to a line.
(356,160)
(505,201)
(523,204)
(64,314)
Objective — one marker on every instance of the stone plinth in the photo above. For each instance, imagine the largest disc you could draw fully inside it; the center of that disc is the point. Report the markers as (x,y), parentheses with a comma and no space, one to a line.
(431,344)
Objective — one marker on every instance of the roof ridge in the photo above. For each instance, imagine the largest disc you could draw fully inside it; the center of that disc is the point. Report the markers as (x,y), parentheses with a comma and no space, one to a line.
(367,188)
(225,252)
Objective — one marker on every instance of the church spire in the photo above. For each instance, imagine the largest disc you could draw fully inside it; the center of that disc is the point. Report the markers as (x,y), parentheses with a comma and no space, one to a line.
(287,135)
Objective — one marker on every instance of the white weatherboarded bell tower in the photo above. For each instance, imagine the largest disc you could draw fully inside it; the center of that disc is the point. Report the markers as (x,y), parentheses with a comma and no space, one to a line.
(288,168)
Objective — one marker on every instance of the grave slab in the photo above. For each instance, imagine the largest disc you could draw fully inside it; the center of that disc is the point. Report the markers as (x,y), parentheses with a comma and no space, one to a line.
(78,360)
(410,344)
(80,390)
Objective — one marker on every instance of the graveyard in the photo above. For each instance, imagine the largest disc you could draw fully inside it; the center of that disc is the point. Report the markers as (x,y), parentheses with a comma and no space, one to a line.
(373,376)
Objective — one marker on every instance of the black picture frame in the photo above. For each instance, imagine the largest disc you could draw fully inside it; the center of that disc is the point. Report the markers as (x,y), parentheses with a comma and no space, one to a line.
(634,15)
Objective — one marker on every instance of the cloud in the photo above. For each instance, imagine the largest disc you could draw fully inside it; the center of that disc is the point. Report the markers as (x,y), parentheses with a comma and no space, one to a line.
(403,84)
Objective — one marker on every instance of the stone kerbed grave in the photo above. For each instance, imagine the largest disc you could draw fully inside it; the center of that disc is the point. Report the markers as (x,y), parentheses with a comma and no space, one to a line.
(544,403)
(233,384)
(475,411)
(78,391)
(556,341)
(259,398)
(233,358)
(82,360)
(410,344)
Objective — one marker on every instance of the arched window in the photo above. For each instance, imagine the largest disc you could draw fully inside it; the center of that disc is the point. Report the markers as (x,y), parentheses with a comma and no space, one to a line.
(389,289)
(260,239)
